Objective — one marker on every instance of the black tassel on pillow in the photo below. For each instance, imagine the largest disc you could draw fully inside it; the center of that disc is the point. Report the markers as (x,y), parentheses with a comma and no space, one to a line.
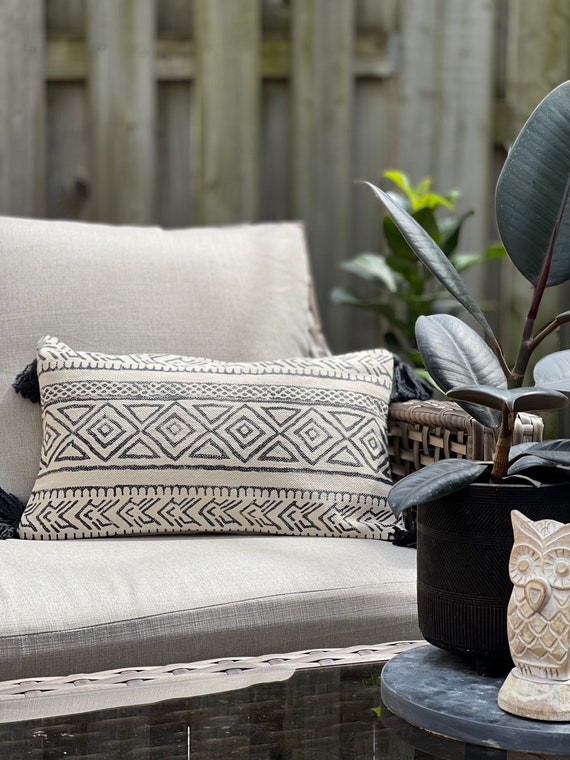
(27,383)
(11,510)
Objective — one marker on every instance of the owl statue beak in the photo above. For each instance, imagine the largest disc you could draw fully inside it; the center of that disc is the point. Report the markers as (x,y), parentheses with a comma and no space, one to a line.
(537,593)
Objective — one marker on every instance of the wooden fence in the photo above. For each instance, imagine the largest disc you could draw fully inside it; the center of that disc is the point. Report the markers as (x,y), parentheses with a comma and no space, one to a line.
(184,112)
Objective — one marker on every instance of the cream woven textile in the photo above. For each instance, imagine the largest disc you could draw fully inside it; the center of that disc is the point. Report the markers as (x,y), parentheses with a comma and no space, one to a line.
(237,293)
(146,444)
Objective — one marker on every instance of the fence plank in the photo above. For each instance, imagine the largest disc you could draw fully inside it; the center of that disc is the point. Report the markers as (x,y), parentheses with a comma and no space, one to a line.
(121,108)
(226,112)
(173,155)
(537,58)
(275,151)
(322,88)
(447,96)
(174,17)
(67,156)
(65,16)
(22,109)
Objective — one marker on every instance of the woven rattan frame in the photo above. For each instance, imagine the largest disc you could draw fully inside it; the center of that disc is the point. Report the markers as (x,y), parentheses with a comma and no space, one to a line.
(422,432)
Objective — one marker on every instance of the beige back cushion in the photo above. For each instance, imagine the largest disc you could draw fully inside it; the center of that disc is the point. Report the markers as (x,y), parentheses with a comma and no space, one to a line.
(238,293)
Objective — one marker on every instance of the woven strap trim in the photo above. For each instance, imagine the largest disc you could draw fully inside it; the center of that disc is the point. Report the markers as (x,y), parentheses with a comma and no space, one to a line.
(313,658)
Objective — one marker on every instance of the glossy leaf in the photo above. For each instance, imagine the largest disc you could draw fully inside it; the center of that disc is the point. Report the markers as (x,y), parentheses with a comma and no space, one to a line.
(553,371)
(557,451)
(520,448)
(438,479)
(396,241)
(455,355)
(372,267)
(462,261)
(449,231)
(523,399)
(528,463)
(531,188)
(432,257)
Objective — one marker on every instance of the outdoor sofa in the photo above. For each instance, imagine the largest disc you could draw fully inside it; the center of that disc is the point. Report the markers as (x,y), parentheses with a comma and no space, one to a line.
(230,294)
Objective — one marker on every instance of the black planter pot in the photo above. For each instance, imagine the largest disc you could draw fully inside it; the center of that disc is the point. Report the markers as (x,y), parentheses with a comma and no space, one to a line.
(464,541)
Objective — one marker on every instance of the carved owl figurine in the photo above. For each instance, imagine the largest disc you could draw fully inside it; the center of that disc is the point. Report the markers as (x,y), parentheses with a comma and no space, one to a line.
(539,608)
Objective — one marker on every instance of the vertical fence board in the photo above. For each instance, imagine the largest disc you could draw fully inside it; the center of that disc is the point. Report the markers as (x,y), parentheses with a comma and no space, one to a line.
(122,105)
(447,93)
(173,199)
(67,175)
(22,109)
(275,151)
(173,155)
(374,143)
(65,16)
(226,111)
(322,83)
(538,53)
(174,16)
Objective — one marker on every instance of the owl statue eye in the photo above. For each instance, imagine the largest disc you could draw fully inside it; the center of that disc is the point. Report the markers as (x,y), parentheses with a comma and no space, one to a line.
(557,567)
(524,563)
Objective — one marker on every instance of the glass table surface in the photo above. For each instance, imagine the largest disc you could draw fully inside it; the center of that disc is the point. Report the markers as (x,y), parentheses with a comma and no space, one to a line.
(323,713)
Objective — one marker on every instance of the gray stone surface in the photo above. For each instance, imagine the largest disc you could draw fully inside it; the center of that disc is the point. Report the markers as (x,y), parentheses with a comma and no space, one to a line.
(436,691)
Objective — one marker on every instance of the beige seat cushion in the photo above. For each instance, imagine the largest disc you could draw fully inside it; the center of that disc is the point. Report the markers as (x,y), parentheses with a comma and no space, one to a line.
(235,293)
(119,602)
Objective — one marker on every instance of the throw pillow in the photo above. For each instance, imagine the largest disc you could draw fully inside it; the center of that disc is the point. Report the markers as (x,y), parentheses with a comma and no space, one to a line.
(147,444)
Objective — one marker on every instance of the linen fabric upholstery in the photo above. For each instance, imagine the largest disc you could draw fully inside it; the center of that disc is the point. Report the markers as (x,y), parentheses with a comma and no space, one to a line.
(145,444)
(120,602)
(236,293)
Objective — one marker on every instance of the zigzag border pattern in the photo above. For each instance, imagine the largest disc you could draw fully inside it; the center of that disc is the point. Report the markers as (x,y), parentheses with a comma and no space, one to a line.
(144,510)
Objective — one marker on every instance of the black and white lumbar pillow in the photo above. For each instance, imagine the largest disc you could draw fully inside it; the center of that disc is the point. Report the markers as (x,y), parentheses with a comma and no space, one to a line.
(155,444)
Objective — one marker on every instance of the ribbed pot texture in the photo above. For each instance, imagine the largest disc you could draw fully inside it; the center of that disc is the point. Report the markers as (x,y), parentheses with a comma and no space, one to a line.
(464,542)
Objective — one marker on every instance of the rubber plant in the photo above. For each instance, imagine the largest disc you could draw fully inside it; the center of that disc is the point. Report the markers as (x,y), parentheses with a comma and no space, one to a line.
(533,216)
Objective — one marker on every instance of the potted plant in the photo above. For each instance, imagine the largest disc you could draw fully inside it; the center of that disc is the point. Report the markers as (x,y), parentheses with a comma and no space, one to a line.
(463,521)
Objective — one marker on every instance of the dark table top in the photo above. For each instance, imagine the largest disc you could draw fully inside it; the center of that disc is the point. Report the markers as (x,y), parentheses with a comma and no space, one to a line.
(328,713)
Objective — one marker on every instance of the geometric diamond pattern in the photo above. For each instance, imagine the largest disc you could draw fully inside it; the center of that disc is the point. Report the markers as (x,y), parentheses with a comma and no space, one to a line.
(160,444)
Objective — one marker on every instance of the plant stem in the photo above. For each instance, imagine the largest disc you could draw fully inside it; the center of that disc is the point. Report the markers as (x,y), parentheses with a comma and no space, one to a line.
(527,343)
(561,319)
(503,447)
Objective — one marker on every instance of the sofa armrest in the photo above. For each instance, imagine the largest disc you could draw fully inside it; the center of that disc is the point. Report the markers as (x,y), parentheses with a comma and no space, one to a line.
(421,432)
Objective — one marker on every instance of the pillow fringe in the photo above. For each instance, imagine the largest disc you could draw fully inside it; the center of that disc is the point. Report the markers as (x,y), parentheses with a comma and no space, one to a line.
(27,383)
(11,510)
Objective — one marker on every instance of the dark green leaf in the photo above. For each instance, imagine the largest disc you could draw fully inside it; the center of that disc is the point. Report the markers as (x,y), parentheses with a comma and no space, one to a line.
(520,448)
(396,241)
(433,257)
(553,371)
(531,188)
(347,298)
(523,399)
(431,482)
(426,219)
(449,230)
(528,463)
(557,451)
(455,355)
(372,267)
(462,261)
